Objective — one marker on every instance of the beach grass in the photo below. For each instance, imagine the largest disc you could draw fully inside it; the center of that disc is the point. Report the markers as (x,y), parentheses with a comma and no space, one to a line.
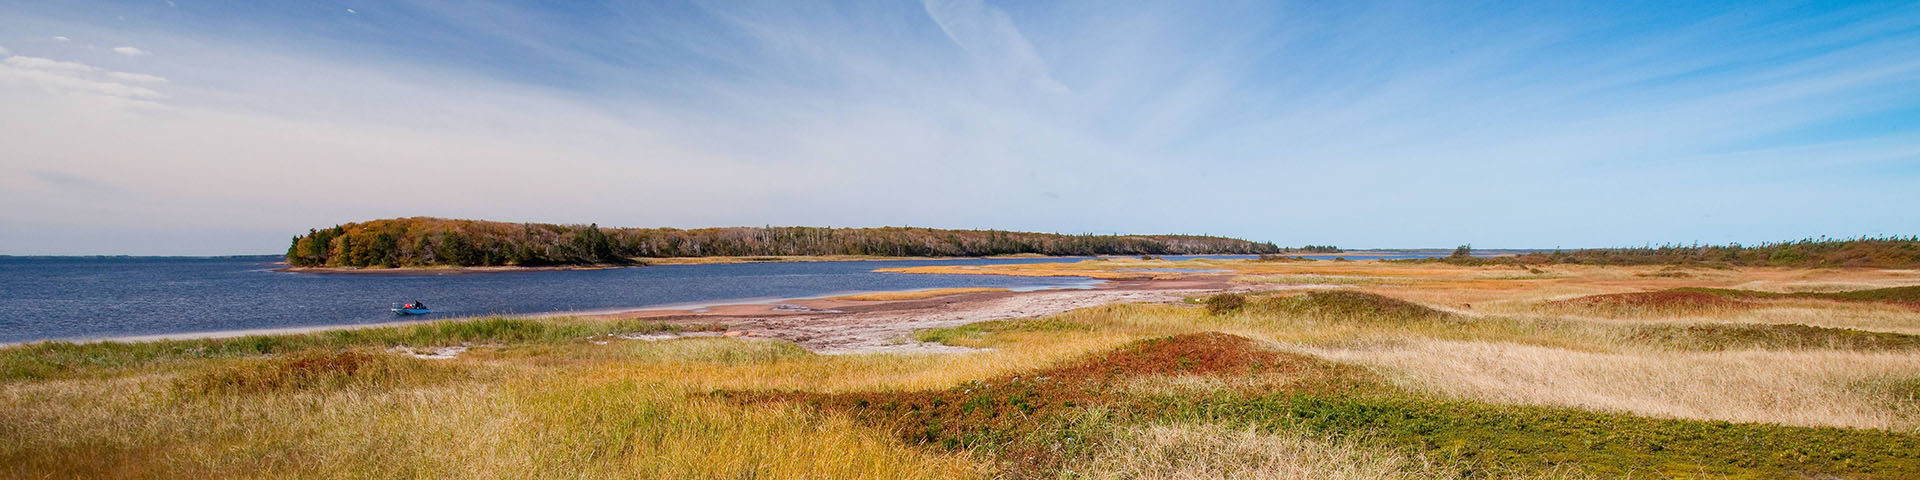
(52,360)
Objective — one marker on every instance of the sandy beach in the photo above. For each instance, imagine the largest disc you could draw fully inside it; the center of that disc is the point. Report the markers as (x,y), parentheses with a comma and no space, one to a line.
(834,325)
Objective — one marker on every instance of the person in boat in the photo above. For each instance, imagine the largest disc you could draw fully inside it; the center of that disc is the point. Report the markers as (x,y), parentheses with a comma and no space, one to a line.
(417,305)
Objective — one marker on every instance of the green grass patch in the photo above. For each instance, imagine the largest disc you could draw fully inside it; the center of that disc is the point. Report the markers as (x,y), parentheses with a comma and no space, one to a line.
(1348,306)
(1494,441)
(980,333)
(47,360)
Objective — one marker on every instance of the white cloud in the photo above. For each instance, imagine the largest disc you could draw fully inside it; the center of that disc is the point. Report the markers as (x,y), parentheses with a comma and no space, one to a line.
(61,38)
(351,11)
(129,51)
(3,51)
(109,88)
(48,64)
(136,77)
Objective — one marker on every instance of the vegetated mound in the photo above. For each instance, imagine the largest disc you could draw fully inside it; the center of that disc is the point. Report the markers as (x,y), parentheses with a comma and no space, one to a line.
(1660,301)
(1336,305)
(1014,411)
(1908,296)
(1902,295)
(1211,353)
(1717,337)
(422,241)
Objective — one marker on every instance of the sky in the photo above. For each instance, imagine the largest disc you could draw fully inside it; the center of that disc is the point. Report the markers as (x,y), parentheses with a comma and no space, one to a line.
(191,127)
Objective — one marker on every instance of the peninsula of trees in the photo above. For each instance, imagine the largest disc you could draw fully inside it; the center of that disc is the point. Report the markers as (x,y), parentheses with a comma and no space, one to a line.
(422,241)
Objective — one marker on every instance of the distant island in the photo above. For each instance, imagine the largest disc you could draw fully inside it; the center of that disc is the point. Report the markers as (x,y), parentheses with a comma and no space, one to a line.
(431,242)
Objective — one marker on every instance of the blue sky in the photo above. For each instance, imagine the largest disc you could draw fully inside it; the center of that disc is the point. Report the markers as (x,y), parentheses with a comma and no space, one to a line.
(222,127)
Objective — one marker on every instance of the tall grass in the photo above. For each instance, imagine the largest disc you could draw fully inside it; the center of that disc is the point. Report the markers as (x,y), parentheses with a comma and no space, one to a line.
(48,360)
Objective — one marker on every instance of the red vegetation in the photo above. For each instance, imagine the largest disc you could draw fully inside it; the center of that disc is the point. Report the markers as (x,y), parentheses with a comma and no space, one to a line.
(1039,403)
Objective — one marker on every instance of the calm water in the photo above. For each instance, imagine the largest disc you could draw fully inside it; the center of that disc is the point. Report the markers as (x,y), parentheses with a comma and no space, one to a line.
(81,298)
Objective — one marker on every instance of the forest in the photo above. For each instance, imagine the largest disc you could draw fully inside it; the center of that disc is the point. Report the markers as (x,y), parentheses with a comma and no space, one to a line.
(424,241)
(1883,252)
(1870,252)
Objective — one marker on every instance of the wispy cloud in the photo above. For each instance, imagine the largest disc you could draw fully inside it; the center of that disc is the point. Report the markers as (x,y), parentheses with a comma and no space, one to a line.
(991,37)
(129,51)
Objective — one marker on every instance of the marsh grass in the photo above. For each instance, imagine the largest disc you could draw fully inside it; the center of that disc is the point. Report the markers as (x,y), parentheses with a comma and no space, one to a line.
(317,371)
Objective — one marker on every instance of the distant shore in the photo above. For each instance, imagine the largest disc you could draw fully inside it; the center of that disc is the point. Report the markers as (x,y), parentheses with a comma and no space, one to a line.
(637,262)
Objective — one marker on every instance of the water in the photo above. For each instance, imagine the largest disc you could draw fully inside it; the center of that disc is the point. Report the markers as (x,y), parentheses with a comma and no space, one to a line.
(1401,254)
(85,298)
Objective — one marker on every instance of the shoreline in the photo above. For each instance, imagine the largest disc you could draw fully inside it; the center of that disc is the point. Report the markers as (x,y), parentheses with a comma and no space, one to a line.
(823,303)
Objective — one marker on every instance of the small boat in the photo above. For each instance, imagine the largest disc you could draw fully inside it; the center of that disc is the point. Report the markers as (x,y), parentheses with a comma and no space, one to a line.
(414,308)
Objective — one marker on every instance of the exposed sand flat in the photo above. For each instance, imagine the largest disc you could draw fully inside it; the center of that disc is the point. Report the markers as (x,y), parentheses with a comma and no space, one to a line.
(847,327)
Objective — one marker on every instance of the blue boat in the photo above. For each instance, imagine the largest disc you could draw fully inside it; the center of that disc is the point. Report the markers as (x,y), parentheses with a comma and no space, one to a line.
(413,308)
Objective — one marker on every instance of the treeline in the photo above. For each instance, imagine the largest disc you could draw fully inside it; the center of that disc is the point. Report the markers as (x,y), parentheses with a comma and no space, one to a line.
(421,241)
(1876,252)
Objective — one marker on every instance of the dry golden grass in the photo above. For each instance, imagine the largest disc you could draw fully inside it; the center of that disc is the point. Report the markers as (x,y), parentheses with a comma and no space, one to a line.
(499,419)
(1205,451)
(1805,388)
(915,294)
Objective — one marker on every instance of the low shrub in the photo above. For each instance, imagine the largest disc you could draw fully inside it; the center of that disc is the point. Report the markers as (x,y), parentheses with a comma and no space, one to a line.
(1224,303)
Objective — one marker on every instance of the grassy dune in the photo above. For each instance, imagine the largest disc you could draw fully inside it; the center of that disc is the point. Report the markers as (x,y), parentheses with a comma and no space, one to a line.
(1389,371)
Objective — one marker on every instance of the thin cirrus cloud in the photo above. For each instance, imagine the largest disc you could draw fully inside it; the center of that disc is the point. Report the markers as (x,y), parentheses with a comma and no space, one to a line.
(1355,124)
(987,34)
(129,51)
